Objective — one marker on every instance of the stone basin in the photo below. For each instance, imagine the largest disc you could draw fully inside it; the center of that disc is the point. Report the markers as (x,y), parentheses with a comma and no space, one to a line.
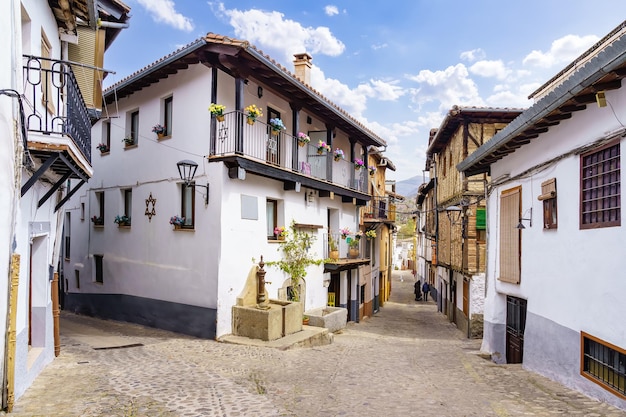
(331,318)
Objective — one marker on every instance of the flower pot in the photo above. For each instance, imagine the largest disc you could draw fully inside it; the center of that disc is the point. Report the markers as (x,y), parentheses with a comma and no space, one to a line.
(353,253)
(160,135)
(301,144)
(220,118)
(357,168)
(275,132)
(333,254)
(251,120)
(320,151)
(337,158)
(305,321)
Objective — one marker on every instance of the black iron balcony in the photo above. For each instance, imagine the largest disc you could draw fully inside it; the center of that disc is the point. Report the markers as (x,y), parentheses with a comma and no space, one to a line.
(55,103)
(380,209)
(257,141)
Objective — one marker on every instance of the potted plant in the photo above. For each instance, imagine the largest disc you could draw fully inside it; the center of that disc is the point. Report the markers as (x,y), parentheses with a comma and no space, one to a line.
(358,164)
(217,110)
(372,169)
(333,249)
(296,258)
(128,141)
(305,320)
(277,125)
(322,146)
(338,155)
(252,112)
(353,247)
(159,130)
(303,139)
(370,234)
(280,232)
(344,232)
(103,148)
(177,221)
(122,220)
(97,221)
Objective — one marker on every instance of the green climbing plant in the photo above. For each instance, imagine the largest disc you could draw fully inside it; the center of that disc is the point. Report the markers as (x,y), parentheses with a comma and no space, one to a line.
(296,258)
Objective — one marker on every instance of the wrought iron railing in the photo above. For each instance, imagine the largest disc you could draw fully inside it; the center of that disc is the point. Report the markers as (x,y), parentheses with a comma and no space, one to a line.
(336,241)
(380,208)
(235,136)
(56,104)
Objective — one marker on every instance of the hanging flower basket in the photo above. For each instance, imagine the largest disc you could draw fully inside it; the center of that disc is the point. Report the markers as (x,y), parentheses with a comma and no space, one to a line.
(217,110)
(338,155)
(277,125)
(358,164)
(252,112)
(321,147)
(159,130)
(303,139)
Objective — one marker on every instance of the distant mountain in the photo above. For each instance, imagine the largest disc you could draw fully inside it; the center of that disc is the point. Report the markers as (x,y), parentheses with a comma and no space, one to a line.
(409,187)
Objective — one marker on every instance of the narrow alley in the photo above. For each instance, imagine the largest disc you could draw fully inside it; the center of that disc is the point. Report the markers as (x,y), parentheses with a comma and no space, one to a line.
(408,360)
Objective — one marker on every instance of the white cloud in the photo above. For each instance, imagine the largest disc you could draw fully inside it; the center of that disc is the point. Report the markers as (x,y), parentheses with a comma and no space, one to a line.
(449,87)
(562,51)
(282,37)
(331,10)
(164,11)
(379,46)
(473,55)
(490,69)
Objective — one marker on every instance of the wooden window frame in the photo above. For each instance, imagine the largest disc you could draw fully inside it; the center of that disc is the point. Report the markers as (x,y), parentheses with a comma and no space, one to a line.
(548,199)
(271,221)
(100,203)
(168,109)
(600,187)
(107,134)
(98,268)
(134,126)
(609,375)
(127,194)
(190,221)
(510,235)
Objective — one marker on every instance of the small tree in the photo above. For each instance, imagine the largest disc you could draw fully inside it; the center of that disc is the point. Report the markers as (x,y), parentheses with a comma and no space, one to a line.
(296,257)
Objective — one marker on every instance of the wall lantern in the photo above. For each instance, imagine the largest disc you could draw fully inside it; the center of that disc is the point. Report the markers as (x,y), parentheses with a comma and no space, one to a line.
(453,213)
(187,171)
(520,225)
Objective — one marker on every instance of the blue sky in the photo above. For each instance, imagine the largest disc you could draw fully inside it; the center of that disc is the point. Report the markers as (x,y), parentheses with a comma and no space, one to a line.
(398,67)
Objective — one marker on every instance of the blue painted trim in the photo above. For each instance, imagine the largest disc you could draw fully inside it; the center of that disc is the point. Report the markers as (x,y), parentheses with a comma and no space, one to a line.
(181,318)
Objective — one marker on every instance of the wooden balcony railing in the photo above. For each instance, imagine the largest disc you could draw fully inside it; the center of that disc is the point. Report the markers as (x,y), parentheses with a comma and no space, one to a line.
(380,208)
(234,136)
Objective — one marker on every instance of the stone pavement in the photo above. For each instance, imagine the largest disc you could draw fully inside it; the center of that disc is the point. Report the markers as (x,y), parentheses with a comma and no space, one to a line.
(408,360)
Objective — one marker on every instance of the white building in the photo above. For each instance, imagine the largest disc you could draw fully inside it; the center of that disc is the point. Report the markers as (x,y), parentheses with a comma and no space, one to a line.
(554,288)
(248,181)
(45,120)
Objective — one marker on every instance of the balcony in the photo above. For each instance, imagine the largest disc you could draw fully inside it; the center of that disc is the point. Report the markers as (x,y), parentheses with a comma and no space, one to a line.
(255,147)
(345,260)
(58,123)
(379,209)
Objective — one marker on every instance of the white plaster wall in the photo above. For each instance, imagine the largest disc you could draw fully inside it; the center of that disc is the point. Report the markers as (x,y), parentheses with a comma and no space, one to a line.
(249,239)
(477,294)
(566,268)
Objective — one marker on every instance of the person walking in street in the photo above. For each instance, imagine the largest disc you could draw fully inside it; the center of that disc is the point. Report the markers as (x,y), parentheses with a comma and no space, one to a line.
(417,290)
(425,289)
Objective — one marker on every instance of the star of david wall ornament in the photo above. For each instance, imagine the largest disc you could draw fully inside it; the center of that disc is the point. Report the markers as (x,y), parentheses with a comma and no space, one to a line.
(150,202)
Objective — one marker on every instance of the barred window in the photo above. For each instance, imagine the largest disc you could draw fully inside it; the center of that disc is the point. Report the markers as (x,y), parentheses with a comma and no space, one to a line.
(604,364)
(600,187)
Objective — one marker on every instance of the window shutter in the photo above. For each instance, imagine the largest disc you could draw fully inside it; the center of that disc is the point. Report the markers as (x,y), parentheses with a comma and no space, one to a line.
(510,209)
(548,189)
(481,218)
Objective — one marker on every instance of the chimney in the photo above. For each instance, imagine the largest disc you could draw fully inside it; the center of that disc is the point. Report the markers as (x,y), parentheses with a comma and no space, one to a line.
(302,66)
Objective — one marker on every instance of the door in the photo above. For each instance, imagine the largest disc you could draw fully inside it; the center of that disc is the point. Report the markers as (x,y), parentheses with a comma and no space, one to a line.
(515,325)
(272,152)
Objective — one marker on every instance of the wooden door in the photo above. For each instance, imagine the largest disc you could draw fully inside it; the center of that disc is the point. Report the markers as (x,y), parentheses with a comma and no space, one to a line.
(272,152)
(515,325)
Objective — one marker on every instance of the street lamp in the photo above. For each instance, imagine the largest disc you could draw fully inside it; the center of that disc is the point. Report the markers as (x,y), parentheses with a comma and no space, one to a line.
(187,171)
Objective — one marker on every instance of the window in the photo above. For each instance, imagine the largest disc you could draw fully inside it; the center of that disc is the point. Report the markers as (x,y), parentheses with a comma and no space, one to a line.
(271,213)
(510,235)
(167,115)
(133,134)
(100,207)
(604,364)
(46,86)
(548,197)
(77,278)
(600,187)
(128,202)
(106,135)
(98,268)
(82,211)
(66,227)
(188,203)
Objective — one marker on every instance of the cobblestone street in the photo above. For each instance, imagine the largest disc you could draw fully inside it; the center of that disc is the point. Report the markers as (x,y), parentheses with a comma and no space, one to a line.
(408,360)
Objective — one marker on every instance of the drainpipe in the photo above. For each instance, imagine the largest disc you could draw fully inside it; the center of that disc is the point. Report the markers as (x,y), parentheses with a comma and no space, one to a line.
(11,331)
(114,25)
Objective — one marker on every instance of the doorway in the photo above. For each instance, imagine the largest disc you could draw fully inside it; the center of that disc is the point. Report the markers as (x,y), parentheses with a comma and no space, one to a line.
(515,325)
(272,152)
